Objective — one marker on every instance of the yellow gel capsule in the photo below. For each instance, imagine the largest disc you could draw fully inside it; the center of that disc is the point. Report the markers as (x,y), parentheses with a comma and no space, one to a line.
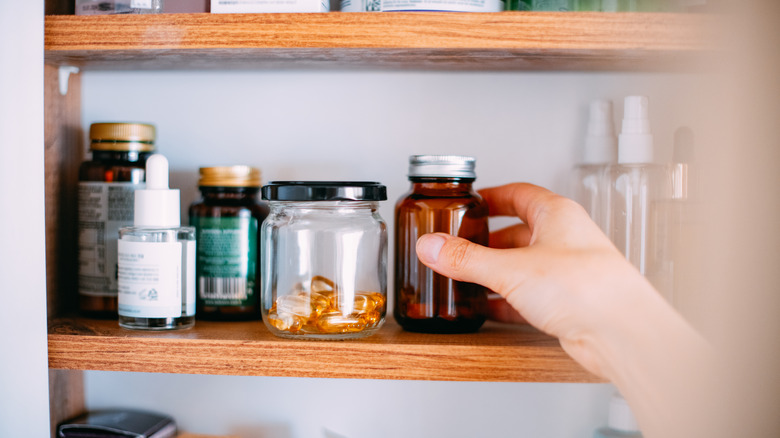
(286,323)
(319,305)
(379,299)
(322,285)
(335,322)
(297,304)
(373,318)
(310,327)
(364,303)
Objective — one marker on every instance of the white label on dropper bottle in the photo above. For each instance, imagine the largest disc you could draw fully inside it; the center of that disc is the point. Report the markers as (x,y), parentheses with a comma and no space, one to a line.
(150,279)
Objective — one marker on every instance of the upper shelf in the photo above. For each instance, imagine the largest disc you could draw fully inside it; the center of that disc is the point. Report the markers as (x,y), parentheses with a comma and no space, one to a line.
(423,40)
(496,353)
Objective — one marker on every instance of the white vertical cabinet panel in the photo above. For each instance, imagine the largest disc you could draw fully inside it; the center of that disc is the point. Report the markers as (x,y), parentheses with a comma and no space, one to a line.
(24,403)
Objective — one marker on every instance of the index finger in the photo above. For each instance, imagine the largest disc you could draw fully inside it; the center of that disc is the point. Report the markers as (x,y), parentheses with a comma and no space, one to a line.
(522,200)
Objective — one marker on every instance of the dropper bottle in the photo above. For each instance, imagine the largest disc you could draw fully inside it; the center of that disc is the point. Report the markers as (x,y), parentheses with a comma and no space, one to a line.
(599,151)
(636,185)
(156,275)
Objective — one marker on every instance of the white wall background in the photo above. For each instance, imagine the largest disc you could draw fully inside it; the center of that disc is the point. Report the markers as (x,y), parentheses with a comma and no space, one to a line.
(24,404)
(277,407)
(307,125)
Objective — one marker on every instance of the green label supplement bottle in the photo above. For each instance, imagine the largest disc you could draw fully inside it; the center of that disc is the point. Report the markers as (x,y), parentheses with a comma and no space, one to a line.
(226,220)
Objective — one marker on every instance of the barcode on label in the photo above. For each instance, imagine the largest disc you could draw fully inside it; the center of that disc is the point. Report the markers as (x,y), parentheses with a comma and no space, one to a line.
(227,288)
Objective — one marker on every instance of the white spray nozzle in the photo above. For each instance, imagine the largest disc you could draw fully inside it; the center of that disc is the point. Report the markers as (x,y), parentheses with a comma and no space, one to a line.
(157,172)
(635,116)
(636,107)
(600,143)
(635,143)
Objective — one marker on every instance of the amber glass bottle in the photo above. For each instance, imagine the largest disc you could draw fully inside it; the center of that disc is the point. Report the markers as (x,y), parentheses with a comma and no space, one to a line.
(107,184)
(441,200)
(227,221)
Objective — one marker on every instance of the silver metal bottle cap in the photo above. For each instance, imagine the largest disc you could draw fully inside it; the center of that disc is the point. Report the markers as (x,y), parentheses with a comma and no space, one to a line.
(442,166)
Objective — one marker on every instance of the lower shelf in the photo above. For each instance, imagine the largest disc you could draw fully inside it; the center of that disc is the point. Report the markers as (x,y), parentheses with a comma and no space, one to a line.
(498,352)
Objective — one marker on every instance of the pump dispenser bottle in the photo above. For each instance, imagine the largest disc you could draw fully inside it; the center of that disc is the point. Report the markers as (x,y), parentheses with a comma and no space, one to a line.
(156,258)
(600,150)
(636,185)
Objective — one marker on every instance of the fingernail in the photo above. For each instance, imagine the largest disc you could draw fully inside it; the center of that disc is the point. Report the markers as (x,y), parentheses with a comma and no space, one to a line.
(429,247)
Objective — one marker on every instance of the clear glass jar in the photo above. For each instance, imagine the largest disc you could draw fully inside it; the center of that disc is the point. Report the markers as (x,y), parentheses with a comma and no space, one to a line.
(324,256)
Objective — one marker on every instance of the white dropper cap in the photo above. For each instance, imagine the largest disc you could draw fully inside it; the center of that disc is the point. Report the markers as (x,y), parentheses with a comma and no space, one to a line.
(600,142)
(157,205)
(635,144)
(620,416)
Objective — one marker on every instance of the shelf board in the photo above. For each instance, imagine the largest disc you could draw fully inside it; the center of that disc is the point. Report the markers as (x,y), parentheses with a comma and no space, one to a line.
(409,40)
(498,352)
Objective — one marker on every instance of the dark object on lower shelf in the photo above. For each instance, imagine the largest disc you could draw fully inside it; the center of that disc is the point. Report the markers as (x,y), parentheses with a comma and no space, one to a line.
(118,423)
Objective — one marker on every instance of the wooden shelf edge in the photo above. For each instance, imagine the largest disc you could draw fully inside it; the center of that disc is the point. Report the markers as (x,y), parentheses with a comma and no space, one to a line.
(430,40)
(498,353)
(377,59)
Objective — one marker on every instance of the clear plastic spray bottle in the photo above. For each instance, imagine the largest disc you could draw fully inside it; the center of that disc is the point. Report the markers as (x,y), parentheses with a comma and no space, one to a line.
(636,185)
(600,150)
(678,222)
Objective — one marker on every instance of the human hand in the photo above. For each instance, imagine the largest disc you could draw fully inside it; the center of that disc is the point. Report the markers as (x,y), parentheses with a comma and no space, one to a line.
(556,269)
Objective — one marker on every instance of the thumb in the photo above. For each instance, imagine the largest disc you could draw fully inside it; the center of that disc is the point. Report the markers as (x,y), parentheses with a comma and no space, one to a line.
(461,260)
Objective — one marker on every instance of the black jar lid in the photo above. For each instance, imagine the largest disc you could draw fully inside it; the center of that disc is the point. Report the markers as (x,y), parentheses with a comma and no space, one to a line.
(324,191)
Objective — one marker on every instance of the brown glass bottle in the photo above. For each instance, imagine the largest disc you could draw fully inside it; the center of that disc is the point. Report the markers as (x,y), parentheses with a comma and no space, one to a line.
(441,200)
(227,221)
(106,190)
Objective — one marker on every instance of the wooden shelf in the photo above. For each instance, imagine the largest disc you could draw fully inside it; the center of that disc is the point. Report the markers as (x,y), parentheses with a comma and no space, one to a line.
(497,353)
(428,40)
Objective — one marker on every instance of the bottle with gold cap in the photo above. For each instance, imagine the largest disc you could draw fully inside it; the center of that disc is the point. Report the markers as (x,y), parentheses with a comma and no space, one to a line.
(106,189)
(226,220)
